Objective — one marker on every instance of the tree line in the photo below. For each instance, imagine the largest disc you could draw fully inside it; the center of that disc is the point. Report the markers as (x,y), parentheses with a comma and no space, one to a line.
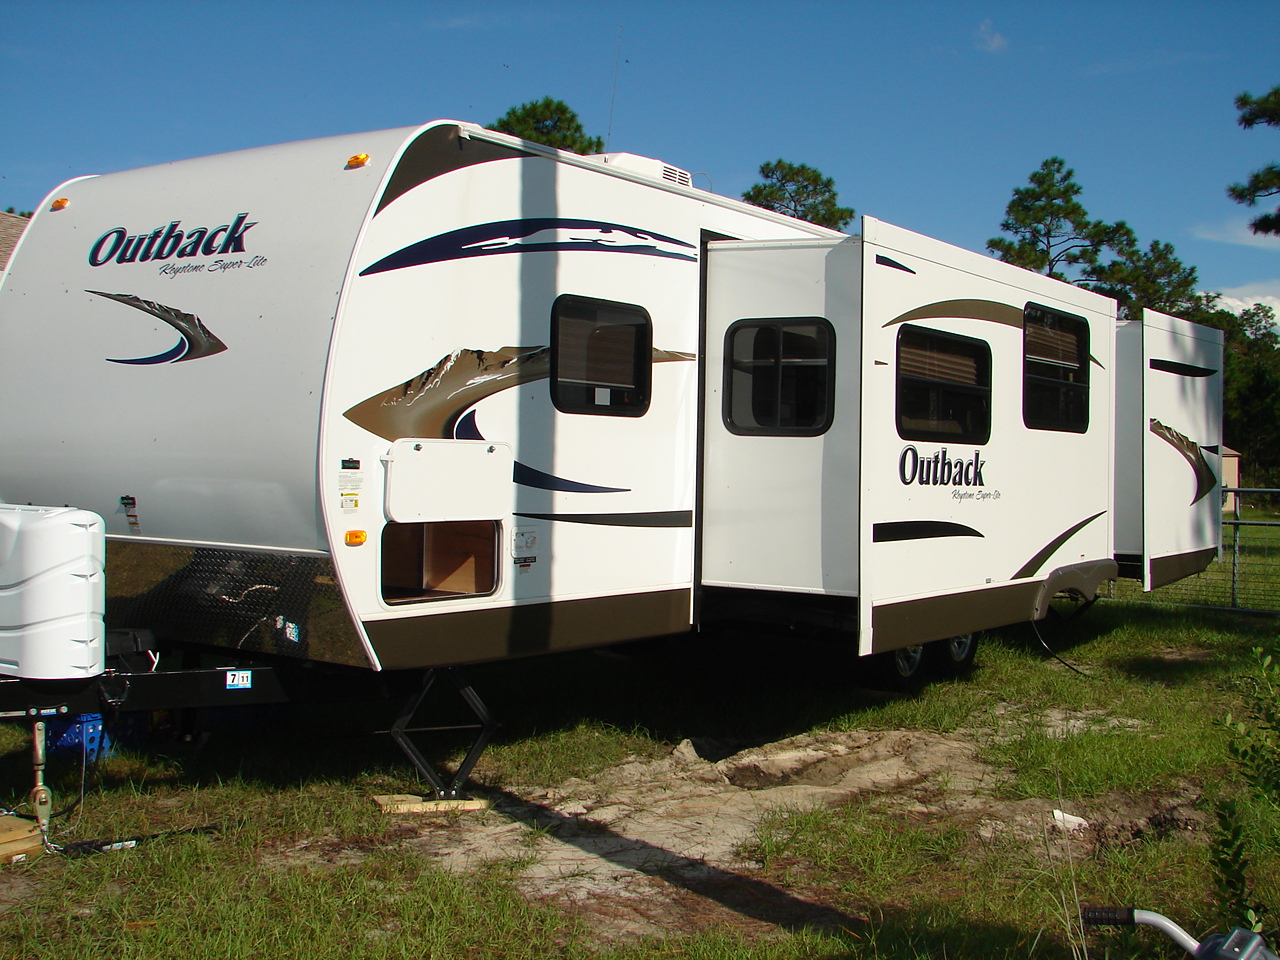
(1047,229)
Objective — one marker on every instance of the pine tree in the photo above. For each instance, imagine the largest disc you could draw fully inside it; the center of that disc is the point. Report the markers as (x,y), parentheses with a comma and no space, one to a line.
(1265,182)
(1051,231)
(549,122)
(800,191)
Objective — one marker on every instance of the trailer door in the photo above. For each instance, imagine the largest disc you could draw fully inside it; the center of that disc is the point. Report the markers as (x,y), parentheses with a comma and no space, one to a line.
(779,492)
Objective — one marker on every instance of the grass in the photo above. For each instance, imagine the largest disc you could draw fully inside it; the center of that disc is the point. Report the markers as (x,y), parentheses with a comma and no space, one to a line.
(1146,719)
(1255,568)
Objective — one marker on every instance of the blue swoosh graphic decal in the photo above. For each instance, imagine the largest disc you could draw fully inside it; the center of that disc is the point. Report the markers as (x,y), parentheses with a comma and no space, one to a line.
(529,477)
(466,429)
(534,235)
(197,340)
(167,357)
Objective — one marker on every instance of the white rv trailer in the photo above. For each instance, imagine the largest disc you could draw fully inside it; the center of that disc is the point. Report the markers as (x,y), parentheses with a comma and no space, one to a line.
(441,396)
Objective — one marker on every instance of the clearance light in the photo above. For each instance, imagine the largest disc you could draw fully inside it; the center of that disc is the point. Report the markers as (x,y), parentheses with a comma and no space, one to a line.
(356,537)
(359,160)
(59,203)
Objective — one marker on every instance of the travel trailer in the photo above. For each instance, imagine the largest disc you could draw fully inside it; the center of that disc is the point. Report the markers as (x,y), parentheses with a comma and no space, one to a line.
(441,396)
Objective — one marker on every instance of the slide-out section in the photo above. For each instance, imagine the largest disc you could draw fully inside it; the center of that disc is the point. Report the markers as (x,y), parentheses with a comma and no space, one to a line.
(780,486)
(1168,448)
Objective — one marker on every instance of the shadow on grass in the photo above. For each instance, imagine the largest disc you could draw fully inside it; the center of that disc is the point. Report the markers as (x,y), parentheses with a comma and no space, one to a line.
(878,929)
(747,896)
(729,693)
(1172,646)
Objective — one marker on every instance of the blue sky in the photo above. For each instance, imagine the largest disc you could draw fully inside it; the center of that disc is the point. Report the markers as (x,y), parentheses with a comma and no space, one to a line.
(927,114)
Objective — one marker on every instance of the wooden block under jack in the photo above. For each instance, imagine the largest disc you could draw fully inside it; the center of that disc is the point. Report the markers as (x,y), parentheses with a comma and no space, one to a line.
(19,839)
(412,803)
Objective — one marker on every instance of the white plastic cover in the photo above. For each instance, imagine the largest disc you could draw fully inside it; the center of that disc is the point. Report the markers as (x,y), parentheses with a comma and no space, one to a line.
(52,592)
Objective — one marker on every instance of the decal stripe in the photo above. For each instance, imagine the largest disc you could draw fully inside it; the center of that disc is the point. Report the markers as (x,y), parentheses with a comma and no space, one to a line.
(436,401)
(662,518)
(1032,566)
(1192,453)
(963,310)
(514,236)
(919,530)
(529,477)
(167,357)
(886,262)
(197,341)
(438,151)
(466,429)
(1181,369)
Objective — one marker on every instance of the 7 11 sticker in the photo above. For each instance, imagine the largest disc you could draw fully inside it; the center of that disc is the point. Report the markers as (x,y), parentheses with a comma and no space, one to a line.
(239,680)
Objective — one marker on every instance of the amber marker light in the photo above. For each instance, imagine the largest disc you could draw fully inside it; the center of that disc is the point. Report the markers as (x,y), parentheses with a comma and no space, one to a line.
(359,160)
(356,537)
(59,203)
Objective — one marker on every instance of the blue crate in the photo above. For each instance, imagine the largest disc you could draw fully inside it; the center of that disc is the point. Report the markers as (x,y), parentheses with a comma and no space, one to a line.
(82,735)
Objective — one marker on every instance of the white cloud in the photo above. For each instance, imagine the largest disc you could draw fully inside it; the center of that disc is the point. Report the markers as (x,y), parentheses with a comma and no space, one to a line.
(1235,230)
(1237,299)
(987,40)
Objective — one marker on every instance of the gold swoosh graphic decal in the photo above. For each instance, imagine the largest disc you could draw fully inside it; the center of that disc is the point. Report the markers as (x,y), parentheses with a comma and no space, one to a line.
(989,310)
(429,404)
(963,310)
(1191,452)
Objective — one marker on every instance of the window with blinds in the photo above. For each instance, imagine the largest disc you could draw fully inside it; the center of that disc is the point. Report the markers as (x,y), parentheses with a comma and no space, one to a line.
(944,386)
(601,357)
(779,377)
(1055,368)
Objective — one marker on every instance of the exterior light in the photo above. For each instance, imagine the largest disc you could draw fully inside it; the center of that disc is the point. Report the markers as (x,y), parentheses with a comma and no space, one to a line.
(59,203)
(359,160)
(355,538)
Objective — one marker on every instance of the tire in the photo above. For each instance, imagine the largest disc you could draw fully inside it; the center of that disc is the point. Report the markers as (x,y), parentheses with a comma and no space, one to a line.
(953,656)
(903,669)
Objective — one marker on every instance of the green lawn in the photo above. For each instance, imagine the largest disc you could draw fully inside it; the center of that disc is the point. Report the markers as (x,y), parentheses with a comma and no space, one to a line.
(921,885)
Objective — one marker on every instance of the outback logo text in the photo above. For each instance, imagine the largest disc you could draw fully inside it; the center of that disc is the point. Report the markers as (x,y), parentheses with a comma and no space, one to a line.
(171,241)
(939,469)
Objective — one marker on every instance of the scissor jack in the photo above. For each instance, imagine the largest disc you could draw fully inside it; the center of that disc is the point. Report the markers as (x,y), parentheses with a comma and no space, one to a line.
(400,731)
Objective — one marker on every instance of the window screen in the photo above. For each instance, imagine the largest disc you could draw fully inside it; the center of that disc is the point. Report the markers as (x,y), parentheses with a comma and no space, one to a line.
(944,386)
(434,561)
(779,377)
(1055,388)
(601,357)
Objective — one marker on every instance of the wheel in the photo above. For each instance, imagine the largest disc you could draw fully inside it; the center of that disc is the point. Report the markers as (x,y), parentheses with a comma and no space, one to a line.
(907,662)
(902,669)
(955,654)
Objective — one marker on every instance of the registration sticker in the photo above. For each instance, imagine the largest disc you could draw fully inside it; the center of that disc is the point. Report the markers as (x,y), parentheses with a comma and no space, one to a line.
(239,680)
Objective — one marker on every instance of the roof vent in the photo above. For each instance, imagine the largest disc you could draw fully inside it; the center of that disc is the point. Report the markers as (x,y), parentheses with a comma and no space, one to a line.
(647,167)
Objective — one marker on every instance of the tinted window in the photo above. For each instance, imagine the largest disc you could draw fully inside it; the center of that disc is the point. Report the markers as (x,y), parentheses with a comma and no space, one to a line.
(601,355)
(1055,387)
(779,376)
(944,386)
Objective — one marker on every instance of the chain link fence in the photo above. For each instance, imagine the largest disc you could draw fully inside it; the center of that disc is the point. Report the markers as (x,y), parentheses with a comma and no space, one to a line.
(1247,574)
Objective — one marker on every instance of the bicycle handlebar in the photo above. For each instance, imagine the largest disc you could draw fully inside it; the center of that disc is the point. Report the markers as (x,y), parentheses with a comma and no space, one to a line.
(1239,944)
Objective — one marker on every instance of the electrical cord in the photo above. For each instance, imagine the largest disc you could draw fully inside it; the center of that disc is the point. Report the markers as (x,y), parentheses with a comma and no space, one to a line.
(83,848)
(1035,625)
